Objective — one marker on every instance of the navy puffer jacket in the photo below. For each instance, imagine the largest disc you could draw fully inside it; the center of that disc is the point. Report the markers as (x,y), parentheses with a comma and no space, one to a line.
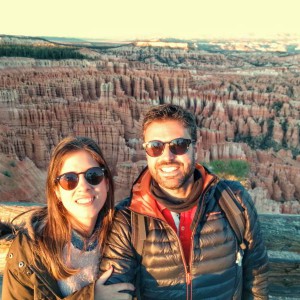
(218,268)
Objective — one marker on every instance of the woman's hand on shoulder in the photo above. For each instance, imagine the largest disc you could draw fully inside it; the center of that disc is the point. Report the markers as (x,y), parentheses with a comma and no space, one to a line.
(111,292)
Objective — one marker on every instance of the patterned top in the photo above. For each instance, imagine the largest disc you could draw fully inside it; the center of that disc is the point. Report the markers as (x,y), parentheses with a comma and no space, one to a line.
(84,256)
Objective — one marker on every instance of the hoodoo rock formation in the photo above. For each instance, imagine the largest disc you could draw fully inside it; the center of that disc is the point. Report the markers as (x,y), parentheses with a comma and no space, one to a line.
(244,110)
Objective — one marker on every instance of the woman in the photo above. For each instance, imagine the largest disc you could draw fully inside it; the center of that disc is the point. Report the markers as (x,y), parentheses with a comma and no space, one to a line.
(57,256)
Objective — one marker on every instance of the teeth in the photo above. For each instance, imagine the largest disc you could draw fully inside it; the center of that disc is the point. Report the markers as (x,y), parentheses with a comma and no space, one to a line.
(168,169)
(84,200)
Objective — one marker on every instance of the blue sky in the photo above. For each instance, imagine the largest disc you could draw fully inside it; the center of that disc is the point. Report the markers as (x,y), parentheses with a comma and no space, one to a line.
(139,19)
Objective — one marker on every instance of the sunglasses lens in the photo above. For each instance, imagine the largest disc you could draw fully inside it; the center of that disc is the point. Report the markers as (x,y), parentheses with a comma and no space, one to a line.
(68,181)
(94,176)
(179,146)
(154,148)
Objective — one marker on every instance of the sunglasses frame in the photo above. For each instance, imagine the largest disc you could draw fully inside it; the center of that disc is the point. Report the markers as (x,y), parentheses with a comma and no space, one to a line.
(188,141)
(57,179)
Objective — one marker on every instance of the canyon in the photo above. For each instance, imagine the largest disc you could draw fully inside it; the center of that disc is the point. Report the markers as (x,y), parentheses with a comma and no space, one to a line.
(247,107)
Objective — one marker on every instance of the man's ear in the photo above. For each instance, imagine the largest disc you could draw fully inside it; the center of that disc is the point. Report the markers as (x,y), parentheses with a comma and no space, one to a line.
(196,151)
(107,184)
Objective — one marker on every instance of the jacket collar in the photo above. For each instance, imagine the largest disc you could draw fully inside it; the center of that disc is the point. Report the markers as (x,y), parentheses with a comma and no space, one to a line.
(143,201)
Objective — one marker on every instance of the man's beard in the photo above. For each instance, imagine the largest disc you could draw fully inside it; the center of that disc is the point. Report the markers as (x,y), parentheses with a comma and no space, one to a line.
(176,182)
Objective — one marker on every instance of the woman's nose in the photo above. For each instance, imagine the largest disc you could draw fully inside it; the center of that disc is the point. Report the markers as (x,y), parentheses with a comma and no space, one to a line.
(82,183)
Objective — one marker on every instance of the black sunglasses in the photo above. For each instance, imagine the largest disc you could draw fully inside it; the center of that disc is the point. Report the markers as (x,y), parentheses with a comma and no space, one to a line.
(177,146)
(69,181)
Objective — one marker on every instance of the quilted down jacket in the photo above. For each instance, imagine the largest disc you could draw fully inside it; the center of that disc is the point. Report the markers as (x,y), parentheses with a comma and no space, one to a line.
(218,268)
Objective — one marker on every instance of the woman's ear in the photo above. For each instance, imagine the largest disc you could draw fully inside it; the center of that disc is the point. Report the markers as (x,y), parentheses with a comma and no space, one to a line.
(57,193)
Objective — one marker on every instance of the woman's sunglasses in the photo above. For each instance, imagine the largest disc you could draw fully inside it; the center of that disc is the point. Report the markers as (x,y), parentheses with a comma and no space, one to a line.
(69,181)
(177,146)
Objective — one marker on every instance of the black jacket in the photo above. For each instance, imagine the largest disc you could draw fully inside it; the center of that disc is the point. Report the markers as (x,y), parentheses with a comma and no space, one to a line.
(213,271)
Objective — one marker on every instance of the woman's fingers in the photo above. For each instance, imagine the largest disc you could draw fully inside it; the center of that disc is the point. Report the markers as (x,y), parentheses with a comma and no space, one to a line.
(122,287)
(113,291)
(117,291)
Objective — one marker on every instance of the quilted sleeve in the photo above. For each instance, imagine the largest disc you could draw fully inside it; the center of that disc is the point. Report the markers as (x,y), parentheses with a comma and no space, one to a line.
(119,251)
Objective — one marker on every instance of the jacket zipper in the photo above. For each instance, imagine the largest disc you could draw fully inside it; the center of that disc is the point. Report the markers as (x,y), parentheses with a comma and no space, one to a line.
(186,266)
(188,283)
(188,274)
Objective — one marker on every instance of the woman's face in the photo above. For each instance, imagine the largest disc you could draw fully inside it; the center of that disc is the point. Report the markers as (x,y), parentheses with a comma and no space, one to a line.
(85,201)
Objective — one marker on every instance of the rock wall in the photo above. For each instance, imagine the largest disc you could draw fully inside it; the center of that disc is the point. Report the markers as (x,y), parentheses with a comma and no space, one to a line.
(21,180)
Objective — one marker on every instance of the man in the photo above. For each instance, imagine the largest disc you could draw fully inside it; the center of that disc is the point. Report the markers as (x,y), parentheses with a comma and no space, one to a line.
(190,250)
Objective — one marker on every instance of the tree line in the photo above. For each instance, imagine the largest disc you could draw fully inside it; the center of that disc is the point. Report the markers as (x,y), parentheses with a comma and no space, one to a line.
(40,52)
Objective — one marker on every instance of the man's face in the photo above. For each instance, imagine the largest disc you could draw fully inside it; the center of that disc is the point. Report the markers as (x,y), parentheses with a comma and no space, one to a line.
(173,173)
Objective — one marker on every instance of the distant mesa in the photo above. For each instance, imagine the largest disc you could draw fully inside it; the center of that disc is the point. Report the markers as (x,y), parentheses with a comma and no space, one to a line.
(172,45)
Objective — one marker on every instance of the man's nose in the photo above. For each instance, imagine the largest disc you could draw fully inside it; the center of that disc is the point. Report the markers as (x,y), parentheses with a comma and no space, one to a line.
(167,154)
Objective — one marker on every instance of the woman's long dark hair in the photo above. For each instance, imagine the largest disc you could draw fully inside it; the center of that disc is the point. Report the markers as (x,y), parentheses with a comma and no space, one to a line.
(54,228)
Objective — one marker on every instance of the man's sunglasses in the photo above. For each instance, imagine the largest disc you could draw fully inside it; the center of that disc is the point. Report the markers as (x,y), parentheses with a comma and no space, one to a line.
(177,146)
(69,181)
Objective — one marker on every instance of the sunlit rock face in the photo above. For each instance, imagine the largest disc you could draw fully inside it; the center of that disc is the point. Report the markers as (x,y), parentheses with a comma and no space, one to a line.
(21,180)
(242,112)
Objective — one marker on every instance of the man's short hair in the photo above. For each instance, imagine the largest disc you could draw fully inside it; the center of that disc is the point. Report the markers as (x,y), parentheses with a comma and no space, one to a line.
(171,112)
